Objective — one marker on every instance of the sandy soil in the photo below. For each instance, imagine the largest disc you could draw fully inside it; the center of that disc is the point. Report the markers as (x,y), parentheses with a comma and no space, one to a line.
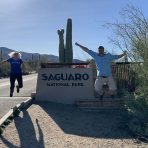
(50,125)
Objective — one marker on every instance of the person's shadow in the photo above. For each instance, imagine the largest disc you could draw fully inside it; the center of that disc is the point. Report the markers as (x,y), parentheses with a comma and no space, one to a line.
(73,121)
(26,132)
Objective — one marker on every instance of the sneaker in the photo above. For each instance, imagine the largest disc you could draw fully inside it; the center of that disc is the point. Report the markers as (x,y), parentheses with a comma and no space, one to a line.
(11,94)
(17,89)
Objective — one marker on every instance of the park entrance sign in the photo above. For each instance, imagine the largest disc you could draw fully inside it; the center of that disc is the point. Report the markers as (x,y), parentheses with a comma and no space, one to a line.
(64,85)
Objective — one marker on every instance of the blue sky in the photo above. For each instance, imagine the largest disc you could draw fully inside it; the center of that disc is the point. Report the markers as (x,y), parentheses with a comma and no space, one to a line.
(31,25)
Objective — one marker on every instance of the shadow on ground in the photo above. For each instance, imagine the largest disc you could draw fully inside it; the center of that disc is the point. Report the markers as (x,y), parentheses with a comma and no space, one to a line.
(73,121)
(26,134)
(104,124)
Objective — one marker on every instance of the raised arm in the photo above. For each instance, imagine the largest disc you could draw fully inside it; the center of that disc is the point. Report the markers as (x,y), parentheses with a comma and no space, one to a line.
(82,47)
(23,67)
(5,61)
(123,54)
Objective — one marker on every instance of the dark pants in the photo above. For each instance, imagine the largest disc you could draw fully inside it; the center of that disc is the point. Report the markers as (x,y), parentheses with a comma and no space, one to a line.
(19,79)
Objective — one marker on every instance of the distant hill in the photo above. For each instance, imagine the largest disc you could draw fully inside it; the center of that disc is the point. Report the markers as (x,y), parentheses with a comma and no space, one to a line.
(29,56)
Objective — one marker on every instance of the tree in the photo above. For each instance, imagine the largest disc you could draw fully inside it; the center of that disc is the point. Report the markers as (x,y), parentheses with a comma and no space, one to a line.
(131,34)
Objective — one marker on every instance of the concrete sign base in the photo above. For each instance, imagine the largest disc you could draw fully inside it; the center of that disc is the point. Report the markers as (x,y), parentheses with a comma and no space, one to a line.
(64,85)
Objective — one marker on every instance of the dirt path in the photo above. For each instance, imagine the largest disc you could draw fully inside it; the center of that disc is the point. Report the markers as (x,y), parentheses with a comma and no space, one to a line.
(52,125)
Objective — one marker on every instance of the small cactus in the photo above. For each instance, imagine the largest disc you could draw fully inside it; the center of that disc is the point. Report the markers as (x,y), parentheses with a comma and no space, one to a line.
(11,117)
(7,122)
(1,130)
(16,113)
(61,46)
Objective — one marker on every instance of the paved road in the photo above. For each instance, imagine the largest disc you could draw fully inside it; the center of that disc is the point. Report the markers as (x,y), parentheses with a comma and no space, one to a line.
(6,103)
(29,86)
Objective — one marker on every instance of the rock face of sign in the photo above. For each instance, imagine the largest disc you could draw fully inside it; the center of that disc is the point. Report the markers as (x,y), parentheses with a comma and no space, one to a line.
(64,85)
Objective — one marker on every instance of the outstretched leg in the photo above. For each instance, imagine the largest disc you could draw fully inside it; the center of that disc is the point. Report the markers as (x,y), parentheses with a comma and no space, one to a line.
(98,86)
(20,82)
(112,86)
(12,84)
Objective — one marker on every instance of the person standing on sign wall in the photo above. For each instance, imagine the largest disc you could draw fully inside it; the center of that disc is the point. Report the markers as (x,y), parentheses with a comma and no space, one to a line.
(103,62)
(16,71)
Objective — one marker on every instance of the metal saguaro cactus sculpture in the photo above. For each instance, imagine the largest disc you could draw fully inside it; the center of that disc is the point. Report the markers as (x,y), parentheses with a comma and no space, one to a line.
(61,46)
(68,48)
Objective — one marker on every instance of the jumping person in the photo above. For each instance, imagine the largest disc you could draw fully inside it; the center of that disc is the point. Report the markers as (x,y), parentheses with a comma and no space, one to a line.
(15,72)
(103,62)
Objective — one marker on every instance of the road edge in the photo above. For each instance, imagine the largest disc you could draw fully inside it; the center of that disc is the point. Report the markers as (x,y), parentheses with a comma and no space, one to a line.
(19,107)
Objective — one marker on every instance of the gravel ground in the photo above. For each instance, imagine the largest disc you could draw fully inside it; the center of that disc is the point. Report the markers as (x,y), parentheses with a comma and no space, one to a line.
(50,125)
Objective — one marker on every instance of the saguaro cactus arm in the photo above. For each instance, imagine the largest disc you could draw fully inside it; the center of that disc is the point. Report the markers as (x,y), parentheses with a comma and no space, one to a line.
(61,46)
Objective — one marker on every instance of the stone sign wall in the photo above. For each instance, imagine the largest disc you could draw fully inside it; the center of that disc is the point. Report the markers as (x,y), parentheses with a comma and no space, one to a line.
(64,85)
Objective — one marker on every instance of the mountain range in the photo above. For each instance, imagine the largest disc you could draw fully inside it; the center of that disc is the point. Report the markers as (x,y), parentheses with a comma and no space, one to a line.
(4,51)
